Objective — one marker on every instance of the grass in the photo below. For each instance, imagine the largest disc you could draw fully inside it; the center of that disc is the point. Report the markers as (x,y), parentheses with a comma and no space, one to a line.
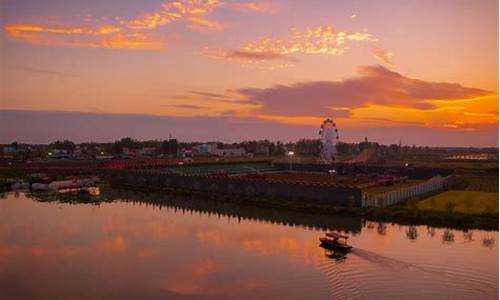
(477,183)
(465,202)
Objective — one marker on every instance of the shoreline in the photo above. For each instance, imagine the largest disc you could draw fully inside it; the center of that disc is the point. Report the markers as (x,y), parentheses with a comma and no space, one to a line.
(393,214)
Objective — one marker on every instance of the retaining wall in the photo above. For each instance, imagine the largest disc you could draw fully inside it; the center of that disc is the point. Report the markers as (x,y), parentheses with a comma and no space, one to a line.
(314,193)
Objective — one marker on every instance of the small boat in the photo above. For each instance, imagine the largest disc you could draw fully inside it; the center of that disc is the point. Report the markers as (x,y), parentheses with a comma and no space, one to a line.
(334,240)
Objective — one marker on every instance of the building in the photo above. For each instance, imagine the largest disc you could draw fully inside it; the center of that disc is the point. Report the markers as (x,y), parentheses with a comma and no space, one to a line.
(205,149)
(147,151)
(231,152)
(10,149)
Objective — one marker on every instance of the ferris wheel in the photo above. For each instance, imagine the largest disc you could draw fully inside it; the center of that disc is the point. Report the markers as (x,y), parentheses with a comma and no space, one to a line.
(329,137)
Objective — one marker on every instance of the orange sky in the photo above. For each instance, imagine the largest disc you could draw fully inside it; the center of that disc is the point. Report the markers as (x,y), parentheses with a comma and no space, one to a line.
(383,64)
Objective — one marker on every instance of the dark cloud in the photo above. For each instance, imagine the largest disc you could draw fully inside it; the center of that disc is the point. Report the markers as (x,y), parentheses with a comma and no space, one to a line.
(376,85)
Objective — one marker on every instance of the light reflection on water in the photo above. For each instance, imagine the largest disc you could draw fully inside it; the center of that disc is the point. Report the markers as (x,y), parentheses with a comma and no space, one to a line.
(136,248)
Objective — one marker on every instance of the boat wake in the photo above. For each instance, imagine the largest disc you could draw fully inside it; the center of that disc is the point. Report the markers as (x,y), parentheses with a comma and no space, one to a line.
(353,278)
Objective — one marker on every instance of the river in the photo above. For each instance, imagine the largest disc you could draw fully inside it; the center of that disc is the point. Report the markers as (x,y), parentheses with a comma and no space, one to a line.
(154,247)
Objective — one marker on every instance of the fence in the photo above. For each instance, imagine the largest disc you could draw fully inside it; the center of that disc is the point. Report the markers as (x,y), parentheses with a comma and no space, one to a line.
(436,183)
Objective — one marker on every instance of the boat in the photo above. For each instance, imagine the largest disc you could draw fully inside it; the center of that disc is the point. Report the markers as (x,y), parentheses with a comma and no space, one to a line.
(334,240)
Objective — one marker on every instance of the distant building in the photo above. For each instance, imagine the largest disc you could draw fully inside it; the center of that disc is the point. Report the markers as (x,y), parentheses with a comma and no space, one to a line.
(147,151)
(231,152)
(63,154)
(10,149)
(186,153)
(210,148)
(129,152)
(205,149)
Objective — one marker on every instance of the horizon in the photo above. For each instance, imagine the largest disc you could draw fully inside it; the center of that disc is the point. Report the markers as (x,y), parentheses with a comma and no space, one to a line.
(45,126)
(422,72)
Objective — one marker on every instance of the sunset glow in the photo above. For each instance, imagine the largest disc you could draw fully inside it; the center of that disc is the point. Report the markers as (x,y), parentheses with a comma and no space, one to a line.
(374,65)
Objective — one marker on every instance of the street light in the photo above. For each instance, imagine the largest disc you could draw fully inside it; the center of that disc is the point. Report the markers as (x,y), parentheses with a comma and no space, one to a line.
(290,155)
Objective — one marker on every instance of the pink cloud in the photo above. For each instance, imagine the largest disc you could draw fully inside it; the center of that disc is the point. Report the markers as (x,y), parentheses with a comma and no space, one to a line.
(249,56)
(375,85)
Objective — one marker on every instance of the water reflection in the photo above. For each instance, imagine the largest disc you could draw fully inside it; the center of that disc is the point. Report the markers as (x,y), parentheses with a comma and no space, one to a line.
(336,254)
(381,228)
(148,247)
(448,236)
(467,236)
(412,233)
(488,241)
(231,211)
(431,231)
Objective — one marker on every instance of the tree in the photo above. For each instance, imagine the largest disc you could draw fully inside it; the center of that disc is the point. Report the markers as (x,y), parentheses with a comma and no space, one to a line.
(280,149)
(64,145)
(126,143)
(343,148)
(169,147)
(394,148)
(306,147)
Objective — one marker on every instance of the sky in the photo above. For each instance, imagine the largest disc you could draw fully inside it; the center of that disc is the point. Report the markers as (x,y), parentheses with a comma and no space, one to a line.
(417,71)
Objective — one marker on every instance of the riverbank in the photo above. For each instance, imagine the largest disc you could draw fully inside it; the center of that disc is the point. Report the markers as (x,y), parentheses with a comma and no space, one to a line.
(402,213)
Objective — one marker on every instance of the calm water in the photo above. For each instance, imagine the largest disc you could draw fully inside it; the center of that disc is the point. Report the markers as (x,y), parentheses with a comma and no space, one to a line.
(134,248)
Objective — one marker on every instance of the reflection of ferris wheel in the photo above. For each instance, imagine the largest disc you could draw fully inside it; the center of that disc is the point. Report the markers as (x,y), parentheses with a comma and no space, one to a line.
(329,136)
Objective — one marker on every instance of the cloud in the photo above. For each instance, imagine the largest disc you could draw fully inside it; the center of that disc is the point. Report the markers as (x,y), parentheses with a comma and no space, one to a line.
(375,85)
(109,36)
(19,29)
(323,40)
(188,106)
(152,20)
(211,95)
(383,55)
(189,10)
(118,40)
(319,40)
(259,7)
(125,33)
(193,7)
(247,56)
(376,97)
(202,24)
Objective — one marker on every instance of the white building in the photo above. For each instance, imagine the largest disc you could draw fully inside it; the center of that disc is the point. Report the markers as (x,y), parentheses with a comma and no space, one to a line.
(209,148)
